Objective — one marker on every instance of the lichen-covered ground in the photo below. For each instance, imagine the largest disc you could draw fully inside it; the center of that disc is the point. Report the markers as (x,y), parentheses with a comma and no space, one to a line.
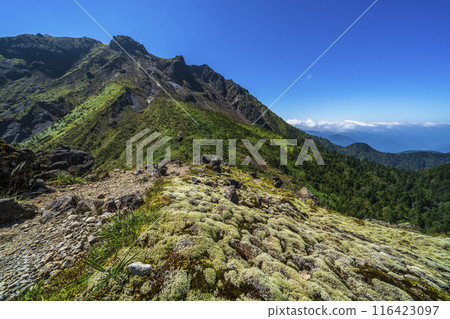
(273,247)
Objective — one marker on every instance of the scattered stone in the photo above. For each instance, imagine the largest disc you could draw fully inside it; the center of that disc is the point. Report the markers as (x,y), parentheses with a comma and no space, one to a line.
(144,179)
(234,182)
(68,262)
(91,220)
(305,194)
(140,269)
(162,169)
(139,171)
(48,215)
(92,240)
(277,182)
(104,217)
(37,183)
(258,200)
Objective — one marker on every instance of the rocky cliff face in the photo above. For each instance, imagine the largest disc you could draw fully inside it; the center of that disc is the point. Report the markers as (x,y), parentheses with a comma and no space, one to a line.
(49,55)
(23,172)
(43,79)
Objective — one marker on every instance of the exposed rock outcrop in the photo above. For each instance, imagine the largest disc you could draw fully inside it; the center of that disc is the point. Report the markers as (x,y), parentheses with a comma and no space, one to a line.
(11,211)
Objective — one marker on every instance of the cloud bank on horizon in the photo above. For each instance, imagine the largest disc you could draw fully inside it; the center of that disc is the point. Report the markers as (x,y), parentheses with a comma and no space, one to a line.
(351,125)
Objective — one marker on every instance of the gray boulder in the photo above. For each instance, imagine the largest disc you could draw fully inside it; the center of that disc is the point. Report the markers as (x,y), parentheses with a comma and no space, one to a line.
(139,269)
(10,211)
(231,195)
(130,201)
(216,163)
(110,206)
(63,203)
(277,182)
(234,182)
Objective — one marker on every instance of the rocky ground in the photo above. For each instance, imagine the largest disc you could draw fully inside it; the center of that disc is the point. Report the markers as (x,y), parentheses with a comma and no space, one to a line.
(63,230)
(223,234)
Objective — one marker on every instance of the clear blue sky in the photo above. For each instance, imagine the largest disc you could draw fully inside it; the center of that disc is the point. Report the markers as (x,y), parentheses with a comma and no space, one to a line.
(393,65)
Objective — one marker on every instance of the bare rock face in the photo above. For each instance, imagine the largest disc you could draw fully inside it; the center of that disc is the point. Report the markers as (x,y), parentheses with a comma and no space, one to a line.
(123,42)
(63,158)
(24,170)
(15,168)
(11,211)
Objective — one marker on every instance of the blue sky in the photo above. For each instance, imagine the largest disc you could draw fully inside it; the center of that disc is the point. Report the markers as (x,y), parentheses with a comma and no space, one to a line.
(393,65)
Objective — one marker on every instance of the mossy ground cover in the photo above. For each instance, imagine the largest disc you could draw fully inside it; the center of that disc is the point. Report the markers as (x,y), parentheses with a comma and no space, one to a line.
(203,247)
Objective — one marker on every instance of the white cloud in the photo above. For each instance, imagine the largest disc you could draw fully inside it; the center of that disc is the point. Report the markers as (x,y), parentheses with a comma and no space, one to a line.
(349,125)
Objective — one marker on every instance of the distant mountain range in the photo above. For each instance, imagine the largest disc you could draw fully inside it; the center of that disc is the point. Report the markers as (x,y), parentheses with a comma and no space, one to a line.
(395,139)
(408,147)
(408,160)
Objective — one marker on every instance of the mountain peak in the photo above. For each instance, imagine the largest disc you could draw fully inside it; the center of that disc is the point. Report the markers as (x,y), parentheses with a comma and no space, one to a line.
(127,43)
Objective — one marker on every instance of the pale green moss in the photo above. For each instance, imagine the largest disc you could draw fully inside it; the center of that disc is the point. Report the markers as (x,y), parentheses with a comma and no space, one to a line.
(176,285)
(210,276)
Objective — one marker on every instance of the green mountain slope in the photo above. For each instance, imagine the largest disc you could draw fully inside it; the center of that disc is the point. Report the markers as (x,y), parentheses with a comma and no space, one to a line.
(103,99)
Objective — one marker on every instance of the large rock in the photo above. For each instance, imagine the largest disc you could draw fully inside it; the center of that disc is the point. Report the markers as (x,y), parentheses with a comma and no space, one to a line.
(140,269)
(305,194)
(130,201)
(277,182)
(63,158)
(230,194)
(110,206)
(16,168)
(63,203)
(21,169)
(216,163)
(11,211)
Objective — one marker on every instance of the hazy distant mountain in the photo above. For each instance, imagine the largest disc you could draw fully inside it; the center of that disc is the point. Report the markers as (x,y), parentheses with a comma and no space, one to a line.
(339,139)
(390,137)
